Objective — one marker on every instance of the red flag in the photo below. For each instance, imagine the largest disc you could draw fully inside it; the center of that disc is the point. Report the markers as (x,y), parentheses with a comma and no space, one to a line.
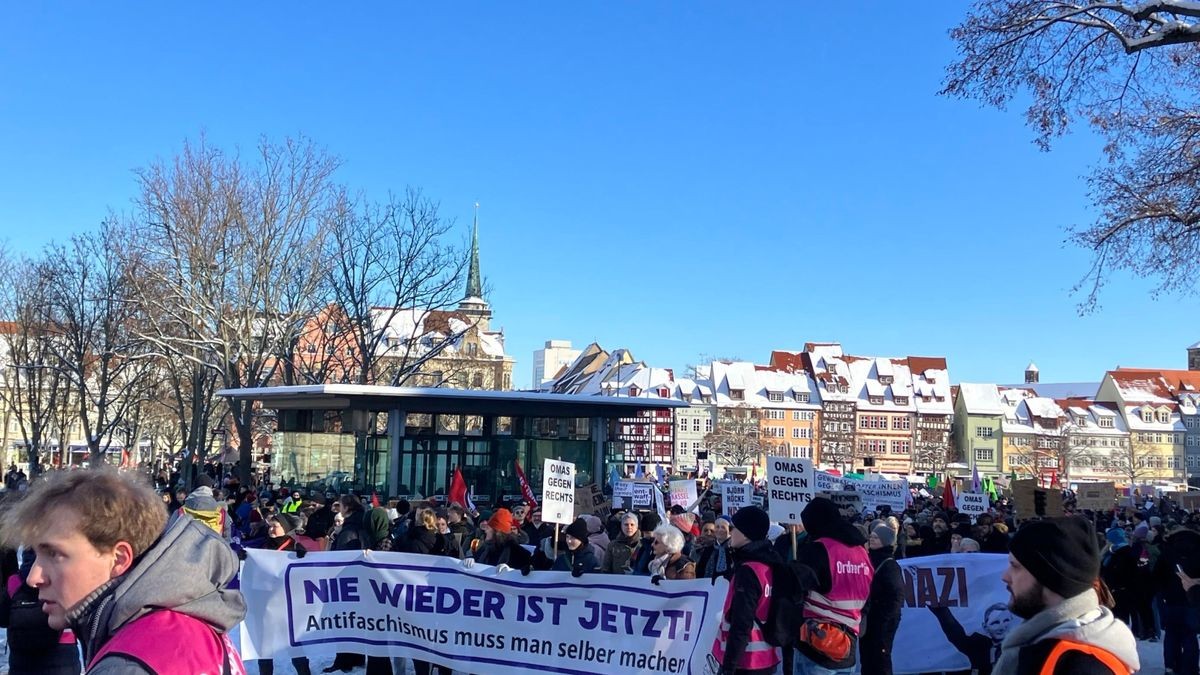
(458,489)
(375,499)
(526,491)
(948,495)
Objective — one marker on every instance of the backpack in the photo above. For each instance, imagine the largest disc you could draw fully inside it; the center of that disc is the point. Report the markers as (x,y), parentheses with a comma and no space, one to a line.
(785,606)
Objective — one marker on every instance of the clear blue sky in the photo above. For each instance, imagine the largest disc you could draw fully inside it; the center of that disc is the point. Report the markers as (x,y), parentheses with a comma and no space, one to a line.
(678,178)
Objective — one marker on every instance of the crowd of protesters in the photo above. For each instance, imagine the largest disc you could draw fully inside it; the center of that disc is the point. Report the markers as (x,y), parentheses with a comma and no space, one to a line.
(820,596)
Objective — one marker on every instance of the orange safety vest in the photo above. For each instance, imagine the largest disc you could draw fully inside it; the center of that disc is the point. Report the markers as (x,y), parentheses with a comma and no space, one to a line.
(1099,653)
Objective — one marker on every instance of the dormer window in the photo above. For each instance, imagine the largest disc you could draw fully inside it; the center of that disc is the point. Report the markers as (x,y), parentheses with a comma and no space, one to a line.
(775,396)
(737,394)
(1147,415)
(1081,420)
(687,398)
(886,379)
(1106,422)
(901,400)
(634,391)
(875,400)
(1164,417)
(801,397)
(705,398)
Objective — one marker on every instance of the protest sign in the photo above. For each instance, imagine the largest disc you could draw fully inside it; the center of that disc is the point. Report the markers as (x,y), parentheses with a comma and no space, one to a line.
(430,608)
(683,493)
(974,504)
(878,493)
(1031,500)
(633,495)
(735,496)
(827,482)
(790,487)
(1186,500)
(589,499)
(955,613)
(847,499)
(558,492)
(1096,496)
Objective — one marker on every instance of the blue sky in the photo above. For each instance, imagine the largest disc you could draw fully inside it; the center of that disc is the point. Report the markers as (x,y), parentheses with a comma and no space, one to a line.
(678,178)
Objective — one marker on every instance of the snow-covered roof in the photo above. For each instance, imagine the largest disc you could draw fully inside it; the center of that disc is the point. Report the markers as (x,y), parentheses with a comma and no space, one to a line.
(1058,389)
(416,331)
(1133,414)
(1031,368)
(981,399)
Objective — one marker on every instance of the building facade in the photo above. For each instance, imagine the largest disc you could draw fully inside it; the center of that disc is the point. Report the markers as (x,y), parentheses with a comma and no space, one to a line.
(550,359)
(978,428)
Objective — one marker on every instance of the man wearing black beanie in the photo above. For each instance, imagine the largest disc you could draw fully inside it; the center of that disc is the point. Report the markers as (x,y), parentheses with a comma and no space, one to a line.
(741,646)
(1053,565)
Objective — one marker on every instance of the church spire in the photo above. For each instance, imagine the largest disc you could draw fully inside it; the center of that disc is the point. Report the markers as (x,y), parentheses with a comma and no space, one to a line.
(474,283)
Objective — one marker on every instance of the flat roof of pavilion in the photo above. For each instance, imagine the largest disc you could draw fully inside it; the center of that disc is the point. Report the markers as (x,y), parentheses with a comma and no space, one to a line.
(447,401)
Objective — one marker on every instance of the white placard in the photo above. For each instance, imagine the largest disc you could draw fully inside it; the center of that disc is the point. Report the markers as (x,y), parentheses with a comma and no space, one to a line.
(972,503)
(735,496)
(877,493)
(558,492)
(827,482)
(790,487)
(683,493)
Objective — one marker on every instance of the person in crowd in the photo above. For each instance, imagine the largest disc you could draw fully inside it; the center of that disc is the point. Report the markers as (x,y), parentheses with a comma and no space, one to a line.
(1180,620)
(936,538)
(353,534)
(320,521)
(423,537)
(535,530)
(1118,566)
(715,559)
(704,539)
(968,545)
(34,648)
(740,646)
(106,568)
(644,553)
(1052,569)
(291,503)
(838,583)
(379,529)
(202,505)
(1146,552)
(597,535)
(460,528)
(669,561)
(283,532)
(579,557)
(620,552)
(884,603)
(990,540)
(499,545)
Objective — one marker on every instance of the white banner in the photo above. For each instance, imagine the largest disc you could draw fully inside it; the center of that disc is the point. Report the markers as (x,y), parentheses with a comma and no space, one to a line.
(558,492)
(955,613)
(431,608)
(877,493)
(790,487)
(827,482)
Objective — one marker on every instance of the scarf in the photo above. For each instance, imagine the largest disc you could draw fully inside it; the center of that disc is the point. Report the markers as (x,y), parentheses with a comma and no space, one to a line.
(659,564)
(718,560)
(1052,621)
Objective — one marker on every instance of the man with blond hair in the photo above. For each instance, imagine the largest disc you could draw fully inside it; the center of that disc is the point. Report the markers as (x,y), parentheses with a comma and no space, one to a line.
(140,600)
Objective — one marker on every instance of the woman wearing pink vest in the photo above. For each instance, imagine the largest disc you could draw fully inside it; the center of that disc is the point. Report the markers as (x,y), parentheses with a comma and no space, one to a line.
(740,646)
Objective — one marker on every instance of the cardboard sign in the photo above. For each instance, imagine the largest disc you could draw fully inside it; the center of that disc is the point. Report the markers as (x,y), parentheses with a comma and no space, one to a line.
(558,492)
(790,487)
(589,499)
(1096,496)
(683,493)
(1032,501)
(735,496)
(846,499)
(973,504)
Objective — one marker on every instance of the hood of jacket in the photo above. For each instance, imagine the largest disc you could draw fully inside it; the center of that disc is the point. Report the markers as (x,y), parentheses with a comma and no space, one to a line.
(187,570)
(1079,619)
(201,499)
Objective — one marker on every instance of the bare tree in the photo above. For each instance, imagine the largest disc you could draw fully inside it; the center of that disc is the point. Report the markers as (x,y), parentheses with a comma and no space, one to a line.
(736,439)
(33,389)
(1131,70)
(1135,462)
(235,250)
(91,310)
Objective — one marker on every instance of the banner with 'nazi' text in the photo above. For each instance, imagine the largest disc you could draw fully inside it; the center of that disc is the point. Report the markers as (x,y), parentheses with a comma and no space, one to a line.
(475,620)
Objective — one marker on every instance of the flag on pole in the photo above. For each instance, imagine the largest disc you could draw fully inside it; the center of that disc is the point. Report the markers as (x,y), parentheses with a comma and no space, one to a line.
(613,476)
(457,494)
(526,491)
(948,496)
(975,478)
(658,471)
(375,499)
(662,507)
(470,502)
(752,476)
(640,471)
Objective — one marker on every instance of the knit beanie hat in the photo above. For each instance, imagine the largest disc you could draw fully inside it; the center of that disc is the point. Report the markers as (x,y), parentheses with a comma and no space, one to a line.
(1141,532)
(1061,553)
(752,522)
(579,530)
(290,522)
(501,521)
(648,522)
(886,535)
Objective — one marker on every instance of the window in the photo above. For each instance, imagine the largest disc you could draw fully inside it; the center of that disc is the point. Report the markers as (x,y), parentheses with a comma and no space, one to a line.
(695,425)
(1164,417)
(1147,415)
(985,455)
(797,432)
(773,432)
(984,432)
(901,400)
(1106,422)
(1019,440)
(774,396)
(885,379)
(800,397)
(872,422)
(737,394)
(775,414)
(477,380)
(795,415)
(901,423)
(901,447)
(875,400)
(708,425)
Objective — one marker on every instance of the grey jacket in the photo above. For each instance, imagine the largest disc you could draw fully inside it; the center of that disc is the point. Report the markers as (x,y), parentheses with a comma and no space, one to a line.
(1079,619)
(187,570)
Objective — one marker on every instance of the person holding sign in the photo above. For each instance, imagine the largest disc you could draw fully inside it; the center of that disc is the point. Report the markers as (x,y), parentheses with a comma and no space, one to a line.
(741,646)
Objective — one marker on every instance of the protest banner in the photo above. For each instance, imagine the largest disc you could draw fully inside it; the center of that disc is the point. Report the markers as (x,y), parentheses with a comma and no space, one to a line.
(847,499)
(431,608)
(955,613)
(827,482)
(790,487)
(558,492)
(973,504)
(877,493)
(683,493)
(735,496)
(1096,496)
(1186,500)
(589,499)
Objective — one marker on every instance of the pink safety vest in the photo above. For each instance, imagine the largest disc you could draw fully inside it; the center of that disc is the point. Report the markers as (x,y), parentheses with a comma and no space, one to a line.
(759,653)
(170,643)
(851,571)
